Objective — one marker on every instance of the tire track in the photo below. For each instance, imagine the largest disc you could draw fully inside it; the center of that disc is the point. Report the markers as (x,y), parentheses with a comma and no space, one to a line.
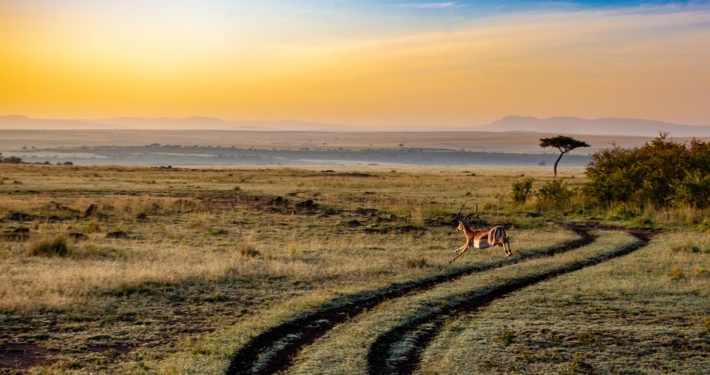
(275,349)
(421,331)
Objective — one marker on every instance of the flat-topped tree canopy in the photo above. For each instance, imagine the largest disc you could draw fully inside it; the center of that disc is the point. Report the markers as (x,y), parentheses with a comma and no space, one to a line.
(563,143)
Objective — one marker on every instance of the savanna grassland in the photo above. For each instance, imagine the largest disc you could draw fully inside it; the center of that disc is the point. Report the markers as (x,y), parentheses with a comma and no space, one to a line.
(118,269)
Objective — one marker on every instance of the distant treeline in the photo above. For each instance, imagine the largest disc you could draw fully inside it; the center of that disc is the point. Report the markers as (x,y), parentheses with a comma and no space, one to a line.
(206,155)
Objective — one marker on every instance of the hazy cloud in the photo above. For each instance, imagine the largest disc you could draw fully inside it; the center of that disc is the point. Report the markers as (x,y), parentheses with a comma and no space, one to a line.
(427,5)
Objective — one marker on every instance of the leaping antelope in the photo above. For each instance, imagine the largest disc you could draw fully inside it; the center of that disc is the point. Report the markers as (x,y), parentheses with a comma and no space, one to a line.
(482,239)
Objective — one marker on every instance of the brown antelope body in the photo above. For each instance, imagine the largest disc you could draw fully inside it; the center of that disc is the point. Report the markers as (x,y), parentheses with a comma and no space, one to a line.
(480,239)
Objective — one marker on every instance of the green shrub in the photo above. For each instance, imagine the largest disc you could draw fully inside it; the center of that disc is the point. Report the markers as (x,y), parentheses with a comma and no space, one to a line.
(56,246)
(555,195)
(624,211)
(522,190)
(661,173)
(693,190)
(12,160)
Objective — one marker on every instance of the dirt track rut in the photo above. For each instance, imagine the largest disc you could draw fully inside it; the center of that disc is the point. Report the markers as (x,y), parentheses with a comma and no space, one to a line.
(425,328)
(274,350)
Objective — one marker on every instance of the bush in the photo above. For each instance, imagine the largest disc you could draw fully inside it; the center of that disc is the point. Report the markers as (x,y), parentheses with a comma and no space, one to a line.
(522,190)
(693,190)
(56,246)
(555,194)
(661,173)
(12,160)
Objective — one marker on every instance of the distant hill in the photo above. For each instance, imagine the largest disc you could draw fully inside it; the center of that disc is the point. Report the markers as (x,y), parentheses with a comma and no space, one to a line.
(512,124)
(603,126)
(211,123)
(166,122)
(25,123)
(188,123)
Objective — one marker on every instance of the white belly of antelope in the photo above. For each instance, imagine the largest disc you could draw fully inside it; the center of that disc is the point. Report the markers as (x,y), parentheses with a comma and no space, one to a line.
(481,243)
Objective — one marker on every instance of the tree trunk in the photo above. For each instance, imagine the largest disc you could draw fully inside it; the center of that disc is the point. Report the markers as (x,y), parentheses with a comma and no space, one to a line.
(557,161)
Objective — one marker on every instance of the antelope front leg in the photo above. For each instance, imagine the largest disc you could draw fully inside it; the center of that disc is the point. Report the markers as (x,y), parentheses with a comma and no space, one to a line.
(460,249)
(459,252)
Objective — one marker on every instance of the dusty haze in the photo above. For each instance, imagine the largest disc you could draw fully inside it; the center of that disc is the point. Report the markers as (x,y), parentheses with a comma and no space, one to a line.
(258,148)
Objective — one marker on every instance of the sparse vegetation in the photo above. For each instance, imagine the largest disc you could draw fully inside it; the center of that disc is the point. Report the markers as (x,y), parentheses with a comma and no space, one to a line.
(416,262)
(11,160)
(248,250)
(506,336)
(522,190)
(270,156)
(50,247)
(356,337)
(555,195)
(624,309)
(201,271)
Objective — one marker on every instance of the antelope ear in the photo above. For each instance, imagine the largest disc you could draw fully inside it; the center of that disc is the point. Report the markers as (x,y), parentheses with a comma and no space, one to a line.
(469,216)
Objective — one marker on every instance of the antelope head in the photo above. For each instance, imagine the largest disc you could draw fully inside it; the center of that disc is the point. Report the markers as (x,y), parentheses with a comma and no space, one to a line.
(463,220)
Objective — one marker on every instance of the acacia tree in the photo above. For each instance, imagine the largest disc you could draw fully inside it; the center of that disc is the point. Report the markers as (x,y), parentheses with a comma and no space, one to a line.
(564,144)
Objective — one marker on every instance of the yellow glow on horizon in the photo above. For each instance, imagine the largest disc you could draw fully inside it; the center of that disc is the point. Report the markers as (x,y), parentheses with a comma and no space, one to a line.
(585,64)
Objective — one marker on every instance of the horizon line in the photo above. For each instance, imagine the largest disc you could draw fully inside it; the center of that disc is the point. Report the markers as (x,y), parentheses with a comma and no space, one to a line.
(315,122)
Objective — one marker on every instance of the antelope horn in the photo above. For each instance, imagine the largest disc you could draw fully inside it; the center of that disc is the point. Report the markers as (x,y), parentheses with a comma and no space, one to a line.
(469,216)
(458,214)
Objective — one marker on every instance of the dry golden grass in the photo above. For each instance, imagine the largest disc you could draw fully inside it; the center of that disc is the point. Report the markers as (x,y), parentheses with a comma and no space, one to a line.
(182,266)
(356,337)
(643,313)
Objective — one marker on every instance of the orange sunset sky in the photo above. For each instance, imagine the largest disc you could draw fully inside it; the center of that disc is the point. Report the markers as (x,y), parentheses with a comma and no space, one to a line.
(457,63)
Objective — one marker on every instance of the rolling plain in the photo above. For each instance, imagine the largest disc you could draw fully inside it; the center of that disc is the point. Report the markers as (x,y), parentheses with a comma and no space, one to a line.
(337,269)
(308,270)
(284,148)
